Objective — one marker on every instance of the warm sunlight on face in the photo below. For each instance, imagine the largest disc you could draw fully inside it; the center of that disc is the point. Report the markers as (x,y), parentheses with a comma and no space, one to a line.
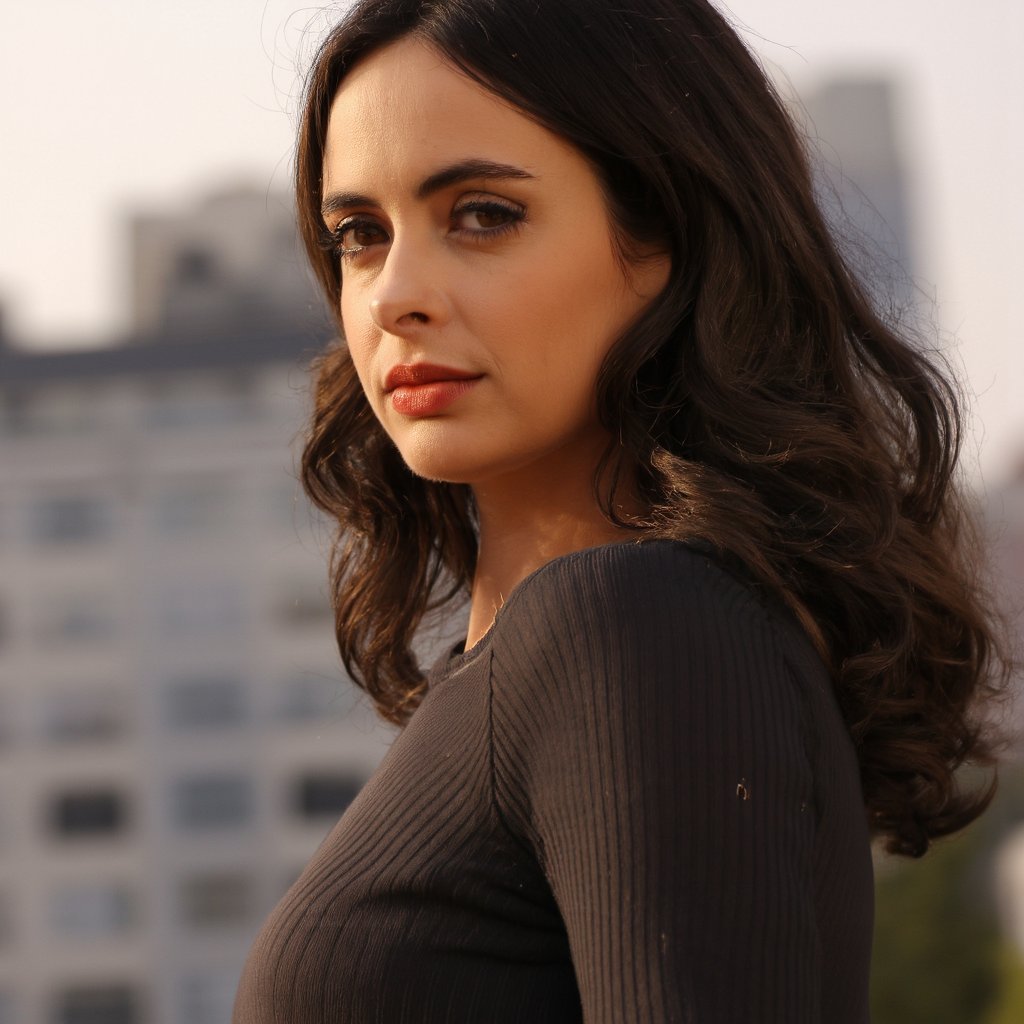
(480,285)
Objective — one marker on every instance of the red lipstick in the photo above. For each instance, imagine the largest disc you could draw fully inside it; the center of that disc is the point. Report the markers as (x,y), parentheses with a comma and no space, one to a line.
(423,389)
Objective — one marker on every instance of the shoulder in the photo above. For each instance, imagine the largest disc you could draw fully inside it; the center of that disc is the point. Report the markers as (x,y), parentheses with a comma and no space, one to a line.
(639,608)
(629,584)
(655,650)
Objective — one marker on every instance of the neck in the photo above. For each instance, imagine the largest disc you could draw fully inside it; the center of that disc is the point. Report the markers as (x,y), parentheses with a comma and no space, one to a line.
(524,524)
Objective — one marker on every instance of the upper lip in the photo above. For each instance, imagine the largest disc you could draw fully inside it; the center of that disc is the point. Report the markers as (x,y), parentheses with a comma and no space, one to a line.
(411,374)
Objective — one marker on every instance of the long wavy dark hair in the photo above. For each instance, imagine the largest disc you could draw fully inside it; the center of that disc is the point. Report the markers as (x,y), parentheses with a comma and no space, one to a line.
(766,406)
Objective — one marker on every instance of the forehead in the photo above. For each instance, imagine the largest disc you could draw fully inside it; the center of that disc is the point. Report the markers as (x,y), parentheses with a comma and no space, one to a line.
(404,110)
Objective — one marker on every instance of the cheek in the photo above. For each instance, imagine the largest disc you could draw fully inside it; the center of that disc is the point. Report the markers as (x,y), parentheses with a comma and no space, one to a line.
(357,335)
(564,314)
(349,321)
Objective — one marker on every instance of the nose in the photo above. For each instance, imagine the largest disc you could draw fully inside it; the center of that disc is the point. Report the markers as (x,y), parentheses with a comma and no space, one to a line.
(408,291)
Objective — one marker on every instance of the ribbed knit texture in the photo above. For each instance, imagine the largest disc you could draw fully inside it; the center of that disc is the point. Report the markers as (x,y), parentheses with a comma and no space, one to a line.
(634,800)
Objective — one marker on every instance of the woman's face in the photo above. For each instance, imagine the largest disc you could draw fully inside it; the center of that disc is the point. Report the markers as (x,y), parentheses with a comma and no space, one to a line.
(480,284)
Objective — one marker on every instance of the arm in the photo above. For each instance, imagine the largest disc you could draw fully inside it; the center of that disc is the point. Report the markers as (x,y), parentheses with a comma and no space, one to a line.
(650,748)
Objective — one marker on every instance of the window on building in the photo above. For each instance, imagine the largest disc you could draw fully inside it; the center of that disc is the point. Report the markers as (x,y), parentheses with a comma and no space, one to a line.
(287,878)
(5,823)
(70,519)
(85,716)
(8,1007)
(213,801)
(14,410)
(93,909)
(287,506)
(307,697)
(75,618)
(205,702)
(303,602)
(195,508)
(98,1004)
(192,403)
(215,898)
(202,608)
(8,727)
(207,998)
(73,409)
(325,794)
(195,266)
(88,813)
(7,926)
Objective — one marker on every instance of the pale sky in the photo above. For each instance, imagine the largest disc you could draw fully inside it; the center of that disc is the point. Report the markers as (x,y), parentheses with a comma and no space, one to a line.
(109,106)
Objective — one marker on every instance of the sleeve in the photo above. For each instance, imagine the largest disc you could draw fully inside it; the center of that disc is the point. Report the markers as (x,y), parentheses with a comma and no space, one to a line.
(649,747)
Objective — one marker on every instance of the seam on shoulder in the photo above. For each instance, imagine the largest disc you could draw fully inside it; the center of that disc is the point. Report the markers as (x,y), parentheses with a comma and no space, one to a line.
(495,803)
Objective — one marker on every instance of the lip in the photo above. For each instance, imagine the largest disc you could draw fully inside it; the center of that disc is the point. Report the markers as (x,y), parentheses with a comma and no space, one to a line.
(411,375)
(424,389)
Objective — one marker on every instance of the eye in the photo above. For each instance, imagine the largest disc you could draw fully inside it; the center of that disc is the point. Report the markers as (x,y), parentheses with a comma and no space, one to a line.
(354,234)
(487,217)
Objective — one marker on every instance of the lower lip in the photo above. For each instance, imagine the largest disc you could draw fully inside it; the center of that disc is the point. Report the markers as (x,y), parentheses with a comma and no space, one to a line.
(428,399)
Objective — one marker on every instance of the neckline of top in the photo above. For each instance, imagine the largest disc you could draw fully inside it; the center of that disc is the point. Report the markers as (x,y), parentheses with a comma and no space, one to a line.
(454,659)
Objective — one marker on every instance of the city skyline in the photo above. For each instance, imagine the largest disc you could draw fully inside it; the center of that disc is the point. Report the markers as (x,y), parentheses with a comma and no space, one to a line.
(106,128)
(179,733)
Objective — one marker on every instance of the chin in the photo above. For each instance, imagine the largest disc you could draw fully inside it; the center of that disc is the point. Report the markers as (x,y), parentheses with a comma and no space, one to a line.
(434,451)
(438,464)
(453,464)
(442,471)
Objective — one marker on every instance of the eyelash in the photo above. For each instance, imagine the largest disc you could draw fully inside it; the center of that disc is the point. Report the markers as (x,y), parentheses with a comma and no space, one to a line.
(332,242)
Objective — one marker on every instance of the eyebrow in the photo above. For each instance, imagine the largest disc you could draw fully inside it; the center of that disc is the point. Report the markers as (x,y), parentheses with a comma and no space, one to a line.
(464,170)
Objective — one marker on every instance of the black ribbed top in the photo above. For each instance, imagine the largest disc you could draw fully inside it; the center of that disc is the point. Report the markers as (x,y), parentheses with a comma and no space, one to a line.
(634,800)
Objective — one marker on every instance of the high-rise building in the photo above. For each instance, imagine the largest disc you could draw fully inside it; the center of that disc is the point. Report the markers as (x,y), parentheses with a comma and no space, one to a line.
(1004,521)
(176,732)
(232,258)
(862,180)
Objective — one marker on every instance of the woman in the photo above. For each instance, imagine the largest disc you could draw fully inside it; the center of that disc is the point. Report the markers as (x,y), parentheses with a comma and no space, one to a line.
(605,372)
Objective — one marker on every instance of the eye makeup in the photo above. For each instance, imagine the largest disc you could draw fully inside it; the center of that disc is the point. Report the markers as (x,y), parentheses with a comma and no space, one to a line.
(494,218)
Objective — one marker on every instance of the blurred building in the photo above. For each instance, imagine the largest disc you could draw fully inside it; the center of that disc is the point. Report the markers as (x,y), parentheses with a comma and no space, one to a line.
(176,734)
(1005,536)
(232,257)
(1004,515)
(862,180)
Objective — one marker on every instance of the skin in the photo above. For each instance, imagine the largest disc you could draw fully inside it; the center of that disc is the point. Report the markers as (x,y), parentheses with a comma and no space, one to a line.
(515,278)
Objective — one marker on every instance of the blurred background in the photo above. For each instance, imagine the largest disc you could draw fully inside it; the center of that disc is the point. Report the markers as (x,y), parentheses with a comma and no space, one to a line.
(176,732)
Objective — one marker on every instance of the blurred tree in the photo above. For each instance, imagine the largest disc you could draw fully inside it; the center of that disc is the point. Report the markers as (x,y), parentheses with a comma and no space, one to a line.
(939,956)
(1009,1005)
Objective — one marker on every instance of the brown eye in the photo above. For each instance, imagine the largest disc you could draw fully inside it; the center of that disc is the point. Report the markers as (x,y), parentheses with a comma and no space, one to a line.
(482,217)
(352,235)
(489,218)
